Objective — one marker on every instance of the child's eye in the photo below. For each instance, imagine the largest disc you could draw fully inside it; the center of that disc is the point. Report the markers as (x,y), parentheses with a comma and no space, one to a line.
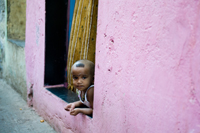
(75,77)
(84,77)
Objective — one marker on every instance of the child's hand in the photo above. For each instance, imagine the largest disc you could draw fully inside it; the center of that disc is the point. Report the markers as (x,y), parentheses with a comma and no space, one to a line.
(70,107)
(74,112)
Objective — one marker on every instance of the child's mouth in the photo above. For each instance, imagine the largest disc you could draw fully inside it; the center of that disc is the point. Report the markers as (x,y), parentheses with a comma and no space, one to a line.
(79,86)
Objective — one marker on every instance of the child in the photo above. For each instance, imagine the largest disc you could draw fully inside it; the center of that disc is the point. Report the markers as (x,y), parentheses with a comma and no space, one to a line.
(83,80)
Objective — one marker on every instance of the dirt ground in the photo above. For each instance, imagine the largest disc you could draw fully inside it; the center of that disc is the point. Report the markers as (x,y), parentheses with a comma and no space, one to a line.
(16,116)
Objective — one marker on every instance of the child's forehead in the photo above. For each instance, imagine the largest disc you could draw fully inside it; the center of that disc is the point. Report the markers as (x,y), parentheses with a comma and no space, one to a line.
(83,70)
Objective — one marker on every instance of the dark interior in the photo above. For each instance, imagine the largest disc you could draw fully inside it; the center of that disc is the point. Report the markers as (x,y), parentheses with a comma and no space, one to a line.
(55,41)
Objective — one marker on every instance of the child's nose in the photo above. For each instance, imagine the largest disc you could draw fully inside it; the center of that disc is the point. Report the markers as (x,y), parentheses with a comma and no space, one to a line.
(79,80)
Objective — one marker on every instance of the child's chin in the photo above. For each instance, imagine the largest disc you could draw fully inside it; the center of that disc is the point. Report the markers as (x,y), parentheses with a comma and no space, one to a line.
(80,88)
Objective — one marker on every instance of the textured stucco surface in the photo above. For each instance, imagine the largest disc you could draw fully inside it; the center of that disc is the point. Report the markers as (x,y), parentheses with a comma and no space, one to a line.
(147,76)
(148,66)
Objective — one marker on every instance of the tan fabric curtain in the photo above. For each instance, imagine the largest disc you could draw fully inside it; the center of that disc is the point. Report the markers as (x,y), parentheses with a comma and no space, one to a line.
(83,35)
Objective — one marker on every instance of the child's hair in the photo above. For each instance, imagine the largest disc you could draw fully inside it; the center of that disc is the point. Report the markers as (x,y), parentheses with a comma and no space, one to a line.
(82,63)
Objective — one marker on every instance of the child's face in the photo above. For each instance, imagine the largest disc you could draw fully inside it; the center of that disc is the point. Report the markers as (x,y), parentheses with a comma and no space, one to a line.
(82,78)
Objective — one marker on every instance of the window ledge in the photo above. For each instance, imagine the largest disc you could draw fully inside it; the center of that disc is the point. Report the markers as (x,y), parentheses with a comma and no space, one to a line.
(66,95)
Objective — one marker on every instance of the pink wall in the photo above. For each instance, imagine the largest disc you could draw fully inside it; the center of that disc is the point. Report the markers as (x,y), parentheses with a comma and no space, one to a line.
(147,75)
(50,107)
(148,66)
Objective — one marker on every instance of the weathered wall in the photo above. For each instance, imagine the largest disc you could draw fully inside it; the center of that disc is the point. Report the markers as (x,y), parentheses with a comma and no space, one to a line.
(147,75)
(2,32)
(12,51)
(14,70)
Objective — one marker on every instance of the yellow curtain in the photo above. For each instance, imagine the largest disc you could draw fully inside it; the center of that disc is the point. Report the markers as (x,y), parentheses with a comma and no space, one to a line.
(83,35)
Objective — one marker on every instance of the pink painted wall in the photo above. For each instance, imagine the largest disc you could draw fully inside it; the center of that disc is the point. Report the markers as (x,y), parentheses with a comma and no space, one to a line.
(50,107)
(147,76)
(148,66)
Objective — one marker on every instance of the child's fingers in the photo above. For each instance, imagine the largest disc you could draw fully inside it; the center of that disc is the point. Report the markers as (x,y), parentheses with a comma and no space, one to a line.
(72,112)
(72,107)
(67,109)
